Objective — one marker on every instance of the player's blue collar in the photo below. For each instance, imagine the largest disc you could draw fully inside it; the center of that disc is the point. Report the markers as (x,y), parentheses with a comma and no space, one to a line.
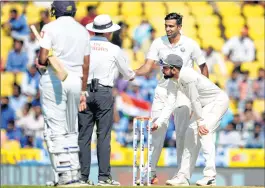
(97,38)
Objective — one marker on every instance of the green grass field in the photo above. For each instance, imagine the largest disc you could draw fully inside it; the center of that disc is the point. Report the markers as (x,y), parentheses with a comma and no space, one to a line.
(17,186)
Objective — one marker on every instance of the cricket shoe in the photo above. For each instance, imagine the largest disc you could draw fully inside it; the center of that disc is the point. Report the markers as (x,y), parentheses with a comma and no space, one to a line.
(178,180)
(76,183)
(108,182)
(154,180)
(206,181)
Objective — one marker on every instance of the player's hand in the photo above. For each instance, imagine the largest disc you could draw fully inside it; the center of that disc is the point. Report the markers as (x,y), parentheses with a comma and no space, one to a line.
(82,105)
(154,127)
(202,130)
(39,66)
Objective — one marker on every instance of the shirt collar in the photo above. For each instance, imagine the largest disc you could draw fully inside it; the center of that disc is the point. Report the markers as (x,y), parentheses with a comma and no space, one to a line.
(179,43)
(97,38)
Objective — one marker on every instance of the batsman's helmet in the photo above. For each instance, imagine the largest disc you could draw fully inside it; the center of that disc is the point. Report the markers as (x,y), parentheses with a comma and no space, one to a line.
(63,8)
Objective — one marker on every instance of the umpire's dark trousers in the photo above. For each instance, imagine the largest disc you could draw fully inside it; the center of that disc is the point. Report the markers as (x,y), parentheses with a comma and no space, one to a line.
(100,111)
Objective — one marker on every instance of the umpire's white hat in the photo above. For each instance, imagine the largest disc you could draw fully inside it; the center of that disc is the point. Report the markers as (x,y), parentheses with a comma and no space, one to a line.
(102,24)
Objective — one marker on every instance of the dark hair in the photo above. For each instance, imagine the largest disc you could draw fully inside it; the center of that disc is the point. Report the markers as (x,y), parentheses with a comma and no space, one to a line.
(89,8)
(45,12)
(174,16)
(13,11)
(20,41)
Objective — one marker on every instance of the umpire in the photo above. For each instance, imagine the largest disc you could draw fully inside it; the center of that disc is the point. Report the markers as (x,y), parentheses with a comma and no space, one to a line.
(106,61)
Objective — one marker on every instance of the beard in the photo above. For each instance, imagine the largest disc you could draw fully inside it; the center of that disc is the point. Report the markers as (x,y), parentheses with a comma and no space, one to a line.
(168,76)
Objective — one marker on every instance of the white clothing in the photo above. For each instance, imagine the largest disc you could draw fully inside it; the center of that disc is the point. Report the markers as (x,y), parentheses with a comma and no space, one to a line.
(186,48)
(215,58)
(199,90)
(212,114)
(60,100)
(189,51)
(107,60)
(241,50)
(31,47)
(209,103)
(69,41)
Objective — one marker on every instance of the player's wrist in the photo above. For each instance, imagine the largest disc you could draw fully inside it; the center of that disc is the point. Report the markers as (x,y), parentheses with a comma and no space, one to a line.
(200,122)
(84,93)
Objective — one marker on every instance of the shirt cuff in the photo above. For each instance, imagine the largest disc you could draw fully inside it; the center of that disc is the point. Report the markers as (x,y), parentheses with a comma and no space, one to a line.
(200,122)
(159,122)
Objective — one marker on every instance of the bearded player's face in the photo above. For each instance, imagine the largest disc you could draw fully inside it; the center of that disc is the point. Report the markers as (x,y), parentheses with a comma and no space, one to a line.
(167,72)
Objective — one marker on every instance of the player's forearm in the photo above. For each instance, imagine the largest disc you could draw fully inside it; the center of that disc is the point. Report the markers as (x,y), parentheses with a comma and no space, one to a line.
(204,70)
(85,72)
(43,57)
(145,68)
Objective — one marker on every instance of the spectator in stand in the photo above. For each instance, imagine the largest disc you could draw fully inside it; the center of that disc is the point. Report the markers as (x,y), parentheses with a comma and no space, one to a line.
(232,88)
(17,59)
(256,138)
(239,49)
(91,14)
(141,33)
(237,123)
(30,82)
(134,89)
(212,57)
(18,100)
(147,42)
(245,90)
(44,19)
(32,47)
(248,121)
(121,84)
(249,106)
(12,132)
(7,113)
(148,86)
(18,24)
(118,36)
(229,137)
(259,84)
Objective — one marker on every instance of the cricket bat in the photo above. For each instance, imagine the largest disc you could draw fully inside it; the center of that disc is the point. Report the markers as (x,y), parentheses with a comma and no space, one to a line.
(57,66)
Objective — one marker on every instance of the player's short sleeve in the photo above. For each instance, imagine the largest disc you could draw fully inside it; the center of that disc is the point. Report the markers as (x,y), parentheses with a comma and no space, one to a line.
(197,54)
(88,46)
(46,35)
(153,51)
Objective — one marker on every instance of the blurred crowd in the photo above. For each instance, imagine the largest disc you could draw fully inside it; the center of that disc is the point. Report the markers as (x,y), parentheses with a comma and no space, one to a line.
(21,116)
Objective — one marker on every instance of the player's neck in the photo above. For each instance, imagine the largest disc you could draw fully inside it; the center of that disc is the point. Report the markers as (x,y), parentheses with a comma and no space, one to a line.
(174,40)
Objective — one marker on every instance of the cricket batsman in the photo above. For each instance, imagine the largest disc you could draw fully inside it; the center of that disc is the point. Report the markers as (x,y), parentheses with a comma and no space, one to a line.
(60,99)
(208,102)
(173,43)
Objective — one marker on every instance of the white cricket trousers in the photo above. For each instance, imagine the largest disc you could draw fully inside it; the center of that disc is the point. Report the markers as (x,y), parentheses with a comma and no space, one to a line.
(181,120)
(60,101)
(212,114)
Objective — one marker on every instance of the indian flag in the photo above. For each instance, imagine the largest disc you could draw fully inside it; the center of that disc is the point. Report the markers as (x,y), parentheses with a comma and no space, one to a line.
(132,107)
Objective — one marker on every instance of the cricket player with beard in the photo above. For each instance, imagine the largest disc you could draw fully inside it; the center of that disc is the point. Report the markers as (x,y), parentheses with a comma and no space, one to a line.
(61,99)
(208,102)
(173,43)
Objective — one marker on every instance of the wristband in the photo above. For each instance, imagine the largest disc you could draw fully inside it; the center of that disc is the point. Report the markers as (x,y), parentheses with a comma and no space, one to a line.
(84,93)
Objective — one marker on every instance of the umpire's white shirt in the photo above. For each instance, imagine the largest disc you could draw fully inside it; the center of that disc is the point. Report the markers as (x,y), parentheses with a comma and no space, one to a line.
(186,48)
(69,40)
(199,90)
(106,61)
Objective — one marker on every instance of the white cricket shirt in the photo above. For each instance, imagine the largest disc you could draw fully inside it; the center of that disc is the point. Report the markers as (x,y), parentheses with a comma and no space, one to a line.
(106,61)
(69,41)
(198,88)
(241,50)
(186,48)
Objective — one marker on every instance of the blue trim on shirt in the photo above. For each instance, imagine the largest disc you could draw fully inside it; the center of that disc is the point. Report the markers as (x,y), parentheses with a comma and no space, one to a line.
(97,38)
